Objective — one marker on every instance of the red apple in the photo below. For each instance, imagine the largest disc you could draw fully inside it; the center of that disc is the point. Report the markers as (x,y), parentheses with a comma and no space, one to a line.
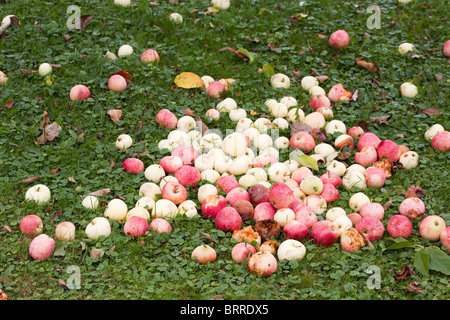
(355,132)
(329,193)
(212,205)
(79,92)
(446,48)
(228,219)
(339,39)
(264,211)
(445,239)
(375,177)
(133,165)
(307,216)
(262,263)
(296,204)
(414,191)
(431,227)
(372,209)
(166,119)
(204,254)
(331,177)
(117,83)
(338,93)
(136,227)
(41,247)
(281,196)
(354,217)
(324,233)
(186,153)
(216,89)
(301,173)
(441,141)
(242,251)
(413,208)
(188,175)
(319,101)
(245,209)
(388,149)
(296,230)
(399,226)
(371,227)
(366,157)
(302,140)
(160,225)
(31,225)
(368,139)
(175,192)
(149,56)
(237,194)
(170,164)
(258,194)
(227,183)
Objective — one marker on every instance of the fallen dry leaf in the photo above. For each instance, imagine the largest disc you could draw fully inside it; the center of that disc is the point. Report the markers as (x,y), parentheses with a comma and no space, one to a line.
(322,78)
(208,236)
(71,179)
(62,283)
(438,77)
(414,287)
(30,180)
(115,114)
(7,229)
(381,120)
(82,22)
(404,273)
(50,133)
(387,204)
(97,253)
(189,112)
(188,80)
(432,111)
(101,192)
(53,171)
(9,104)
(371,66)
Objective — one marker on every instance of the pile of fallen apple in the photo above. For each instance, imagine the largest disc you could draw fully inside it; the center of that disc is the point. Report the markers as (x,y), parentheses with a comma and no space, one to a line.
(269,207)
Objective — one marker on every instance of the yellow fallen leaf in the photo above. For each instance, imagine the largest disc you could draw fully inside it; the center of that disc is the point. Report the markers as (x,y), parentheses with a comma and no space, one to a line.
(188,80)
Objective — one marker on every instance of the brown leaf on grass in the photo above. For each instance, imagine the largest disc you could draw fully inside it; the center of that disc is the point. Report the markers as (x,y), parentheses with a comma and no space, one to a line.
(438,77)
(26,72)
(251,40)
(97,253)
(67,37)
(53,171)
(414,287)
(82,22)
(239,54)
(271,46)
(62,283)
(189,112)
(432,111)
(321,36)
(371,66)
(311,49)
(208,236)
(101,192)
(404,273)
(387,204)
(381,120)
(115,114)
(9,104)
(322,78)
(30,180)
(344,156)
(364,125)
(50,133)
(71,179)
(56,214)
(7,229)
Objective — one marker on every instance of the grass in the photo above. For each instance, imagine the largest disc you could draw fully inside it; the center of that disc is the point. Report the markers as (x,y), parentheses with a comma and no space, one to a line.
(159,266)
